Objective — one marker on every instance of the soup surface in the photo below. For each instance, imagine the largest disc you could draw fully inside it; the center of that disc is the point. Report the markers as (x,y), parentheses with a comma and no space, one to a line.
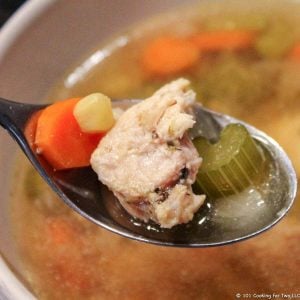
(66,257)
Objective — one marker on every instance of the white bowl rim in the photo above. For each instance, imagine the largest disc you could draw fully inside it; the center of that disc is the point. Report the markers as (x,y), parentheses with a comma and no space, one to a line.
(11,288)
(20,21)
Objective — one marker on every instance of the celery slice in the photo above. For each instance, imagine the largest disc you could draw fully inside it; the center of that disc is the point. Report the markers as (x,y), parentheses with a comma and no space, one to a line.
(230,165)
(276,41)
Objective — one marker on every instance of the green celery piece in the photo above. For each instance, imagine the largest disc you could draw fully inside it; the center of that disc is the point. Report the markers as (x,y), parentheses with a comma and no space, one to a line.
(276,41)
(230,165)
(239,21)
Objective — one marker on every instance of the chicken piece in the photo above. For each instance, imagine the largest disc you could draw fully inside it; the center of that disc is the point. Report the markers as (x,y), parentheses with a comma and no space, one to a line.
(148,160)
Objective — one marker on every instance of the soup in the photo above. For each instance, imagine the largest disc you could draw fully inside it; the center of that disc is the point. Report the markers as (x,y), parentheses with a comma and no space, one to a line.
(66,257)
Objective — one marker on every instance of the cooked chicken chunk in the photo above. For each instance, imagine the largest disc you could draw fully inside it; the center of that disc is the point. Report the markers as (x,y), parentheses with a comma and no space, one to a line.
(148,161)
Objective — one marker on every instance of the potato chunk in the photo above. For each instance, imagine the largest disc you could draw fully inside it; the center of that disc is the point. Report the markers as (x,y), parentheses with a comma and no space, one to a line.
(94,113)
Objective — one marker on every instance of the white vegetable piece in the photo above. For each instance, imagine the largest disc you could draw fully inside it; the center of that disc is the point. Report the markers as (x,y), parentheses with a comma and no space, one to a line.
(94,113)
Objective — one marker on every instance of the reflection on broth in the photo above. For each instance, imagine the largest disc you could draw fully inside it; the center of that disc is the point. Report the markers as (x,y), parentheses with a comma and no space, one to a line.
(66,257)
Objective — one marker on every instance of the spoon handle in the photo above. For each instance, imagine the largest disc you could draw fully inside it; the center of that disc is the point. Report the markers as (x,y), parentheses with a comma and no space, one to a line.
(13,118)
(15,114)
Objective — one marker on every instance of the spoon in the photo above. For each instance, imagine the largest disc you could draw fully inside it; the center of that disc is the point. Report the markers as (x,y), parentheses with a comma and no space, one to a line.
(211,226)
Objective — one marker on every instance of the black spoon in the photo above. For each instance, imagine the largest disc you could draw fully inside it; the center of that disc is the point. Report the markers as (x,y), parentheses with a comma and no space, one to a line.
(82,191)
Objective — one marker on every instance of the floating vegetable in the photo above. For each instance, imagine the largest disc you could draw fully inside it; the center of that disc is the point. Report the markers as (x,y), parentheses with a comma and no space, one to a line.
(167,56)
(276,41)
(224,40)
(294,54)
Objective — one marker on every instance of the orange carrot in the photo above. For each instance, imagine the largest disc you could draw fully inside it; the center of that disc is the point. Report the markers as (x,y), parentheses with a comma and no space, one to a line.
(60,231)
(67,240)
(30,129)
(75,273)
(295,53)
(59,138)
(223,40)
(169,55)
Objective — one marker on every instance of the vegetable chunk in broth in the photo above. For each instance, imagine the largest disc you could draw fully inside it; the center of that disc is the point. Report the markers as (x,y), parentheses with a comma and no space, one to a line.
(247,64)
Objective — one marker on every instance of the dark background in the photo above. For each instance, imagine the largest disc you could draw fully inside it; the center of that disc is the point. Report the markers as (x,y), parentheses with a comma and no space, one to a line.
(7,8)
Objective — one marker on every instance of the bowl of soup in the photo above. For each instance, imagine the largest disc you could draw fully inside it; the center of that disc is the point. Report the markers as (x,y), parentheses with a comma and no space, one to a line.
(242,58)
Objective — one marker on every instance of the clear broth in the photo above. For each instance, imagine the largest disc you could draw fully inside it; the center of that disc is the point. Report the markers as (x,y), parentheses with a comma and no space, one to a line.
(83,261)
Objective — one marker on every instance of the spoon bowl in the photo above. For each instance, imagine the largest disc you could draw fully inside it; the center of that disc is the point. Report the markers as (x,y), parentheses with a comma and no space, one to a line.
(215,224)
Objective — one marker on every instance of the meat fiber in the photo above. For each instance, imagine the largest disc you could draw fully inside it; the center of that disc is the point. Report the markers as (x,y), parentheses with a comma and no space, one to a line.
(148,160)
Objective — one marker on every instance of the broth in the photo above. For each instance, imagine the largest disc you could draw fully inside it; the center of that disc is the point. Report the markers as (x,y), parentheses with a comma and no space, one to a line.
(67,257)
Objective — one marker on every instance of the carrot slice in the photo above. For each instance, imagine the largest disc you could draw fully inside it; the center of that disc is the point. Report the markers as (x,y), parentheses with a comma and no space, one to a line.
(30,129)
(295,53)
(59,138)
(169,55)
(75,273)
(60,231)
(223,40)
